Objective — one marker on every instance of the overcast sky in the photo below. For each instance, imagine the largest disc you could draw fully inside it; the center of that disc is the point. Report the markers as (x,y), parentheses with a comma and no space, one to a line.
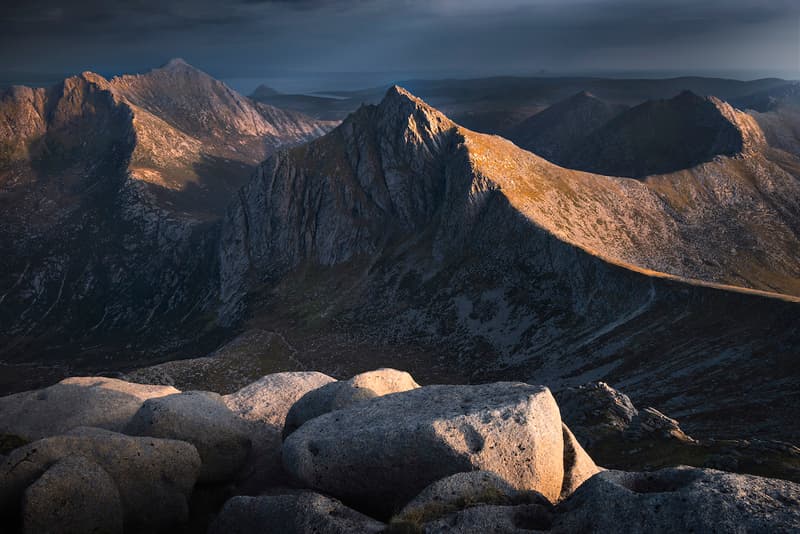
(425,38)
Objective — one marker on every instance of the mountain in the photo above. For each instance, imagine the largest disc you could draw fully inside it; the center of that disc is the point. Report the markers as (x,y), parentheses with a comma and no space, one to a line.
(660,136)
(403,236)
(787,94)
(560,129)
(263,91)
(777,112)
(495,105)
(108,191)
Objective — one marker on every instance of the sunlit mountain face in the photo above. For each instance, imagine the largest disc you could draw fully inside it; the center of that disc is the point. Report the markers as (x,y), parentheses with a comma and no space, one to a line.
(399,267)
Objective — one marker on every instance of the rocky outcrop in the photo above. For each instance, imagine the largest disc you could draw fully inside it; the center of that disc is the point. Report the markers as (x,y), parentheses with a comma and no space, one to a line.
(620,436)
(680,500)
(382,452)
(341,394)
(263,406)
(155,477)
(74,495)
(502,519)
(292,514)
(202,419)
(578,466)
(463,490)
(472,459)
(81,401)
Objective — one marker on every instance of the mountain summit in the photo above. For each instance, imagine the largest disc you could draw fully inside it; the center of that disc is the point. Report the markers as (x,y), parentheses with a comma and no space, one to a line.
(407,229)
(111,186)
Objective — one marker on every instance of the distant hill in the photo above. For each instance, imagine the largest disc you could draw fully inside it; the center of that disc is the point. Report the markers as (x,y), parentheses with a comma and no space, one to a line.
(660,136)
(559,130)
(263,91)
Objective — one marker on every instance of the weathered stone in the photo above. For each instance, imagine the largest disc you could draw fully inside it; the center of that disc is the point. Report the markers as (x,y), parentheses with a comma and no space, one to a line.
(263,406)
(74,495)
(154,476)
(338,395)
(595,411)
(521,519)
(81,401)
(202,419)
(305,513)
(462,490)
(682,499)
(578,466)
(381,453)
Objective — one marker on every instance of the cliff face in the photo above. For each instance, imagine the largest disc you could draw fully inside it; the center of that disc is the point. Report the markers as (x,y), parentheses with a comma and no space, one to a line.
(109,193)
(400,227)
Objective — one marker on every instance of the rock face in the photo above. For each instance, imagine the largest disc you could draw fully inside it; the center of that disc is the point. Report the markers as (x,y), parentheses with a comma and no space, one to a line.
(125,177)
(263,406)
(202,419)
(81,401)
(471,459)
(619,436)
(500,519)
(338,395)
(413,230)
(291,514)
(462,490)
(74,495)
(680,500)
(383,452)
(578,466)
(154,477)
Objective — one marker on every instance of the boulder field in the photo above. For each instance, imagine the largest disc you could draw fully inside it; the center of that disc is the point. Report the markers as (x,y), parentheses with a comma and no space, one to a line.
(300,452)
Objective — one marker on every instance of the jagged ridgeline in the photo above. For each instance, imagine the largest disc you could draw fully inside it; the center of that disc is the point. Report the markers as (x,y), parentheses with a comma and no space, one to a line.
(110,193)
(402,236)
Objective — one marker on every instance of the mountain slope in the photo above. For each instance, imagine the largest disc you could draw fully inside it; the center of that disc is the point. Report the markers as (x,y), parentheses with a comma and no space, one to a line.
(660,136)
(402,229)
(556,132)
(109,190)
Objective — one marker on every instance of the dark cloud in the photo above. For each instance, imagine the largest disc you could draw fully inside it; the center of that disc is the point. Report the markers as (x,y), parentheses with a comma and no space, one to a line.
(426,37)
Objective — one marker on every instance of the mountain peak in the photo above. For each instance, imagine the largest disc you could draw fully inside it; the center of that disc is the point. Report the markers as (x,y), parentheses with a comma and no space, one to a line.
(582,95)
(264,91)
(176,63)
(688,96)
(399,102)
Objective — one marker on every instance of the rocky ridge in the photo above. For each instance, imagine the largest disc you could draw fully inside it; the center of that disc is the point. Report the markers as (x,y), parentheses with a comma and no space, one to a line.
(557,131)
(109,190)
(406,228)
(473,458)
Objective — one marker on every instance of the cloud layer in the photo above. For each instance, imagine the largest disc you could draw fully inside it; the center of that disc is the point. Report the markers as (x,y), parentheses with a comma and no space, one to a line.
(450,37)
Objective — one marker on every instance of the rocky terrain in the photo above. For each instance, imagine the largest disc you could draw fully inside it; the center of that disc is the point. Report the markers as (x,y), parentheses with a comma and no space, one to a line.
(109,192)
(399,238)
(411,230)
(375,453)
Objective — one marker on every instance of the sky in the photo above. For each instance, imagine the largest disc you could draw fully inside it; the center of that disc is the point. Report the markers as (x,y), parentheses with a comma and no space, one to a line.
(353,43)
